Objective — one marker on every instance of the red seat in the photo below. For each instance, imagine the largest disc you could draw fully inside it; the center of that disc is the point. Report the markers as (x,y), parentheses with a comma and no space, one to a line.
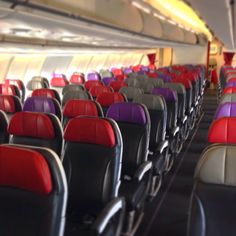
(98,89)
(117,85)
(46,92)
(75,107)
(223,130)
(89,84)
(229,90)
(77,78)
(59,81)
(9,89)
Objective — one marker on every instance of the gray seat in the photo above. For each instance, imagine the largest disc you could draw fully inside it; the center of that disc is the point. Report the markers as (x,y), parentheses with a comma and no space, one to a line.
(131,92)
(212,205)
(158,146)
(72,87)
(146,86)
(85,95)
(230,97)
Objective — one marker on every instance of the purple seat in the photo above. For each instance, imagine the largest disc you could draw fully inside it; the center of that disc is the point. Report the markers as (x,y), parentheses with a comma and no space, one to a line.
(128,71)
(167,93)
(134,123)
(230,84)
(227,109)
(107,80)
(166,78)
(93,76)
(42,104)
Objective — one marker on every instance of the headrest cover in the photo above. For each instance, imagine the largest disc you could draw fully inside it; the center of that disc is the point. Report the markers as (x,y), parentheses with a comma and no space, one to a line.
(77,79)
(116,85)
(43,92)
(107,80)
(223,130)
(178,87)
(231,84)
(152,102)
(24,169)
(229,97)
(76,107)
(217,165)
(93,76)
(72,87)
(131,92)
(89,84)
(39,104)
(7,103)
(35,84)
(127,112)
(98,89)
(59,81)
(229,90)
(227,109)
(7,89)
(18,83)
(108,98)
(31,124)
(90,130)
(167,93)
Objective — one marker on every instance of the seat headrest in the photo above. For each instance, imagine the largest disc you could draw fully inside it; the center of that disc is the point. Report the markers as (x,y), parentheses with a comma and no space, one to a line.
(72,87)
(93,76)
(98,89)
(223,130)
(107,80)
(229,90)
(127,112)
(84,95)
(231,79)
(24,169)
(8,89)
(31,124)
(152,102)
(77,78)
(178,87)
(90,130)
(116,85)
(227,109)
(131,92)
(59,81)
(89,84)
(230,84)
(39,104)
(18,83)
(35,84)
(43,92)
(108,98)
(184,81)
(217,165)
(229,97)
(7,103)
(169,94)
(75,107)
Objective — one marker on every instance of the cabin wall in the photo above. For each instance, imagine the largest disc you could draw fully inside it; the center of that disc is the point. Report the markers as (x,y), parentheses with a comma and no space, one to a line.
(190,55)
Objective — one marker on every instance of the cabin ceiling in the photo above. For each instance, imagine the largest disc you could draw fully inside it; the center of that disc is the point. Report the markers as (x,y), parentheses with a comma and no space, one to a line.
(91,23)
(219,16)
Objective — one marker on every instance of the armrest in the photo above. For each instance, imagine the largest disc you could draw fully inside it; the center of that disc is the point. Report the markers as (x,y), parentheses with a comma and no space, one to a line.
(162,146)
(184,119)
(142,170)
(196,103)
(175,130)
(110,210)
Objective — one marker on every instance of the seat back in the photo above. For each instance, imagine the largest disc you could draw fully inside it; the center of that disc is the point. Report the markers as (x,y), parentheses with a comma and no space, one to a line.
(36,84)
(131,92)
(93,76)
(89,84)
(33,191)
(171,99)
(42,79)
(227,109)
(107,80)
(157,109)
(9,89)
(223,130)
(77,78)
(59,81)
(231,84)
(83,95)
(19,84)
(212,208)
(4,136)
(72,87)
(117,85)
(229,90)
(134,123)
(10,104)
(108,98)
(229,97)
(93,150)
(43,104)
(181,93)
(46,92)
(98,89)
(75,107)
(36,129)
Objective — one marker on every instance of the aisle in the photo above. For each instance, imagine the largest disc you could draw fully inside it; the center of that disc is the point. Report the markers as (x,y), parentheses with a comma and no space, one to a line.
(167,214)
